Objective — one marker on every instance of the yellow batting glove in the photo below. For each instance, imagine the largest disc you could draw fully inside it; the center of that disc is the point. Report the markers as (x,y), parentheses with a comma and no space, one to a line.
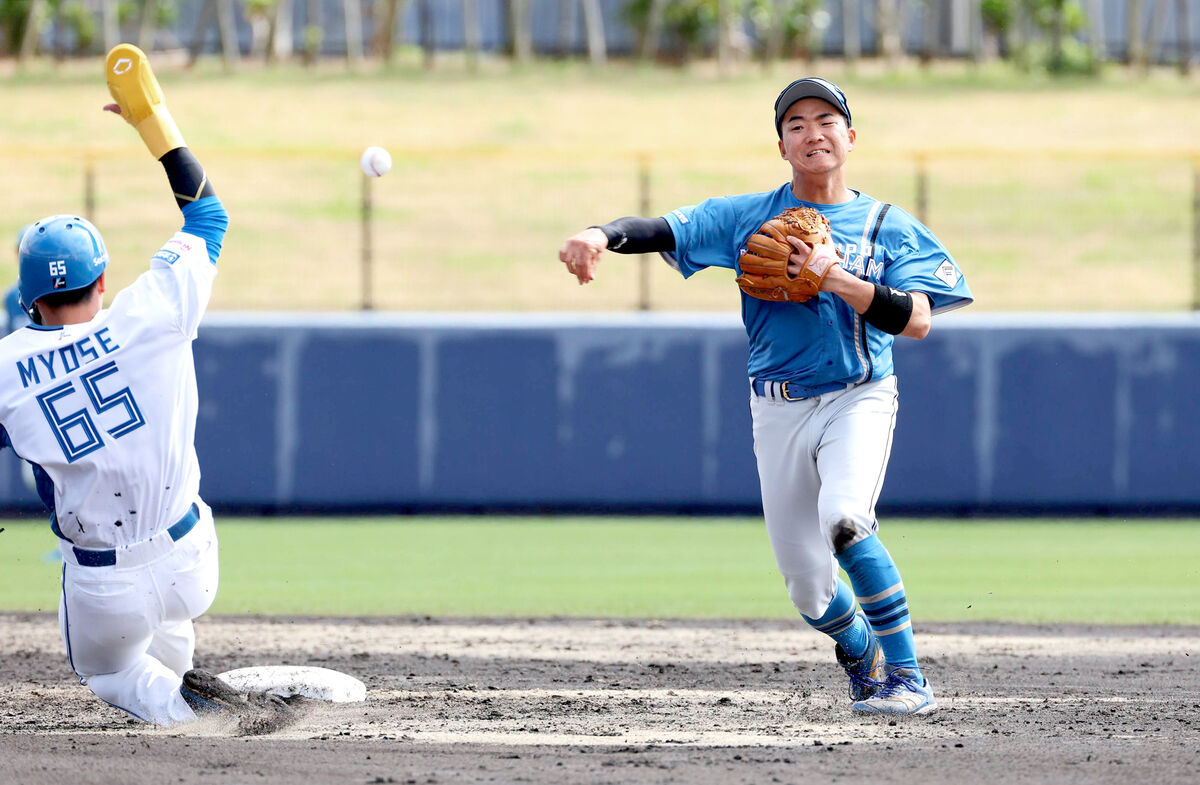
(136,91)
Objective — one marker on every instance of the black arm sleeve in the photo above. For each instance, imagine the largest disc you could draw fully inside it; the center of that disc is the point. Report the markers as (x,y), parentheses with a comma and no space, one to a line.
(639,235)
(186,175)
(891,309)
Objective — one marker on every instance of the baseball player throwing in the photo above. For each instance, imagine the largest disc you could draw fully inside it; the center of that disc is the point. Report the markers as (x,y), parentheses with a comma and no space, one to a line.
(823,397)
(103,403)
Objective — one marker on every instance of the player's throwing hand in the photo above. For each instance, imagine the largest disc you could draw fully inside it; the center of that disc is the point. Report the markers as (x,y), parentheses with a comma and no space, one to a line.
(581,252)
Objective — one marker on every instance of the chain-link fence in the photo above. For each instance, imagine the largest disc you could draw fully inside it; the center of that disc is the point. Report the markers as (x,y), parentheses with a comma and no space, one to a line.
(479,228)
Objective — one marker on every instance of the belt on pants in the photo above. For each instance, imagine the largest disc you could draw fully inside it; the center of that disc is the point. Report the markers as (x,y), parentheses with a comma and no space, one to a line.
(108,558)
(792,391)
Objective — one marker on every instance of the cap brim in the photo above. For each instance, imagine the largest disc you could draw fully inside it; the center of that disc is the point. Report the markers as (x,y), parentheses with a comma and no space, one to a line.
(802,90)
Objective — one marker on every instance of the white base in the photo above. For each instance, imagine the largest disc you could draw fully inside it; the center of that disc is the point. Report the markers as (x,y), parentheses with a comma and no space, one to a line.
(288,680)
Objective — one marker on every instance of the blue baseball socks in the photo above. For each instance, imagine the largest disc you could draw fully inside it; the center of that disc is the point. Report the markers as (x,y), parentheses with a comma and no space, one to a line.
(842,623)
(881,594)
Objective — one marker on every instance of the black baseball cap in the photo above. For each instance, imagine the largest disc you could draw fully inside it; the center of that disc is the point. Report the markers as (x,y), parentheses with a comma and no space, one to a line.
(810,87)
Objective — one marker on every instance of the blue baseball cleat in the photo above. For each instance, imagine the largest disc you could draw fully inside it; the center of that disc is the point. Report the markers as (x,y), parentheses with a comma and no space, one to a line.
(256,712)
(902,694)
(208,694)
(866,673)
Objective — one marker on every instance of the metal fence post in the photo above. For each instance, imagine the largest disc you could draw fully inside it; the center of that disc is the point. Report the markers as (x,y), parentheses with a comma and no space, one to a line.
(1196,234)
(89,188)
(644,210)
(922,189)
(366,243)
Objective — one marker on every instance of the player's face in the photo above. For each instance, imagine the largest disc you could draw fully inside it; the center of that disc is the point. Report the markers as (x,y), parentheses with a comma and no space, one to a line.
(815,137)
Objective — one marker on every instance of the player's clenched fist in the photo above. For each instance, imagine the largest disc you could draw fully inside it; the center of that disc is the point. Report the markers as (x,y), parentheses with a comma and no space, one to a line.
(581,252)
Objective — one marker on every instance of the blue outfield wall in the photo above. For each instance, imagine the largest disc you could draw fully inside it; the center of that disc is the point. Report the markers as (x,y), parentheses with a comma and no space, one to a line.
(649,411)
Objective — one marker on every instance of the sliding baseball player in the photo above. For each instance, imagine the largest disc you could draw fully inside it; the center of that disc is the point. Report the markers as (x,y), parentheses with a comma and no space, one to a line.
(102,402)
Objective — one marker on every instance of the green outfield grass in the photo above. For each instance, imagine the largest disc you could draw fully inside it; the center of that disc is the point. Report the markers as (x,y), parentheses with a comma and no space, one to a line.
(1059,183)
(1043,570)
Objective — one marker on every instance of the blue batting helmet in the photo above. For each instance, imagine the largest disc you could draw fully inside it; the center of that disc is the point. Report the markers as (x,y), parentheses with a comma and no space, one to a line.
(59,254)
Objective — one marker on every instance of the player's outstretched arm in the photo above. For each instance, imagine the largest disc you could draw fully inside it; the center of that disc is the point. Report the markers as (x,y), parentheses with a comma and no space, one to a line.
(631,234)
(139,100)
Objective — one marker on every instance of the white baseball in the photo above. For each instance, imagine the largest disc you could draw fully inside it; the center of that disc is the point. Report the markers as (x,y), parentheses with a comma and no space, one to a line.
(375,161)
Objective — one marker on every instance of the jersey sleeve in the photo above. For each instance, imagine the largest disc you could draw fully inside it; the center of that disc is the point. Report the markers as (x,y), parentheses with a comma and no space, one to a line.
(704,236)
(206,218)
(918,262)
(182,272)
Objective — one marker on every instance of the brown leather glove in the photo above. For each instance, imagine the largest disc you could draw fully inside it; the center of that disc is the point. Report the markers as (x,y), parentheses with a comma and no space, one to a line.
(764,263)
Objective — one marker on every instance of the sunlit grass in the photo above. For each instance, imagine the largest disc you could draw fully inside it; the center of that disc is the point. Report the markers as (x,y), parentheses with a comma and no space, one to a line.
(1039,570)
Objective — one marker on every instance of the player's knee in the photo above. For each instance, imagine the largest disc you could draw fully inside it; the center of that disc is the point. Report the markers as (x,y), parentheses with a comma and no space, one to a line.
(845,531)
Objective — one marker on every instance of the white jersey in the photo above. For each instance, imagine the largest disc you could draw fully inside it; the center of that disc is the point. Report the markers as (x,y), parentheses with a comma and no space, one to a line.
(107,408)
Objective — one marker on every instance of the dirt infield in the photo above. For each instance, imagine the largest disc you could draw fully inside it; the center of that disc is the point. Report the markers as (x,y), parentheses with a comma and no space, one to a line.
(556,701)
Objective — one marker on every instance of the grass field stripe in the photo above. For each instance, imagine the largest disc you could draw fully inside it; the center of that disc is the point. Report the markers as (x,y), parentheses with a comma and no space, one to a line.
(1088,572)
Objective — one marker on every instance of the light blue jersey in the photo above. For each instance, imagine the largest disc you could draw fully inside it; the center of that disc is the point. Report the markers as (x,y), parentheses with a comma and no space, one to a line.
(821,344)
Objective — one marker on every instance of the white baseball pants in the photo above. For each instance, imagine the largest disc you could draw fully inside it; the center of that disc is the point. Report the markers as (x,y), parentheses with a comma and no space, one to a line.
(128,628)
(821,463)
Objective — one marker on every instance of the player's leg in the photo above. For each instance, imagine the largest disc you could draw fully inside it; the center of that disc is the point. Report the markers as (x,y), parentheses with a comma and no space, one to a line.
(188,580)
(790,485)
(107,618)
(189,584)
(147,689)
(173,645)
(852,461)
(906,690)
(857,650)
